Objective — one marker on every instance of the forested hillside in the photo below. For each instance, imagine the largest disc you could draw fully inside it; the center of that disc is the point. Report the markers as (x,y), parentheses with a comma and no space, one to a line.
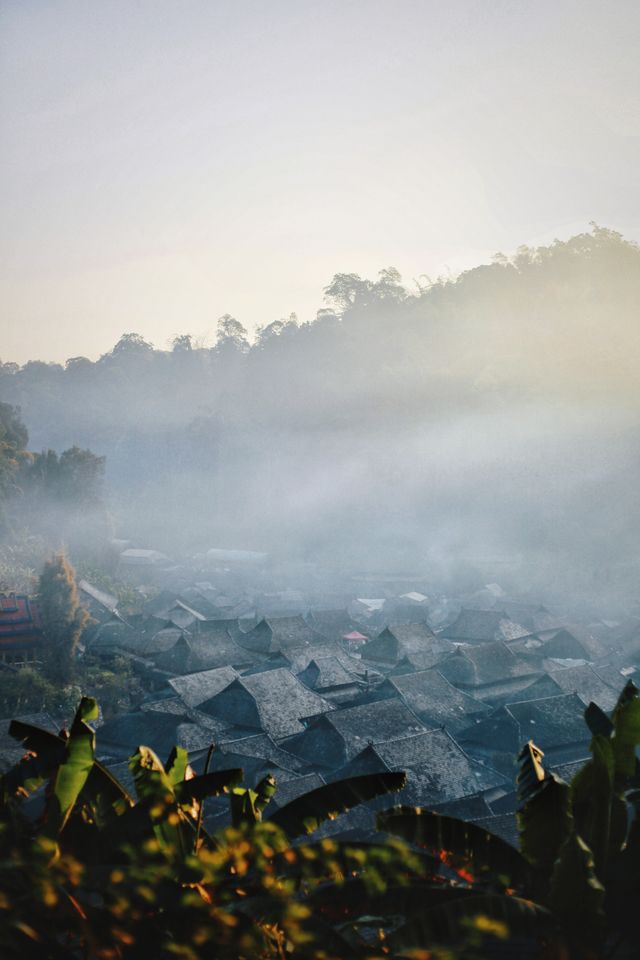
(405,424)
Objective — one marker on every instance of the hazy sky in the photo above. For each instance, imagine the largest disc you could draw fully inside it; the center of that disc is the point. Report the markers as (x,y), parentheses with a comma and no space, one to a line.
(165,162)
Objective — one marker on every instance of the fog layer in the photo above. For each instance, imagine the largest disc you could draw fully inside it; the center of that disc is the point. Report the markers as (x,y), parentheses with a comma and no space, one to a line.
(487,420)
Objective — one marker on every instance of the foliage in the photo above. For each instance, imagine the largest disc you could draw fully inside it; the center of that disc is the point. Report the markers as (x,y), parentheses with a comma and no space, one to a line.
(63,618)
(86,869)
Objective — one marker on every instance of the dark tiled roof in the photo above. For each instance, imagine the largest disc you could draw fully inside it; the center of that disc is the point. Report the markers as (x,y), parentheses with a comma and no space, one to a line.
(474,665)
(160,731)
(437,768)
(477,626)
(331,624)
(403,640)
(573,642)
(289,790)
(553,722)
(274,701)
(586,683)
(436,702)
(328,673)
(11,750)
(503,826)
(465,808)
(195,688)
(279,633)
(374,722)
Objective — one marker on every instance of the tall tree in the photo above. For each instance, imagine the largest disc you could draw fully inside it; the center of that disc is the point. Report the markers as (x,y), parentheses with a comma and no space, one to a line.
(63,619)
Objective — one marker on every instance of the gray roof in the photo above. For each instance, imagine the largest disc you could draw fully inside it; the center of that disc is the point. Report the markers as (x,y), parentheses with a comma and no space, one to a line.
(586,683)
(484,625)
(474,665)
(331,624)
(165,705)
(105,600)
(160,731)
(436,701)
(551,722)
(289,790)
(328,673)
(437,768)
(402,640)
(504,826)
(261,745)
(334,739)
(573,642)
(274,701)
(554,721)
(374,722)
(11,750)
(279,633)
(195,688)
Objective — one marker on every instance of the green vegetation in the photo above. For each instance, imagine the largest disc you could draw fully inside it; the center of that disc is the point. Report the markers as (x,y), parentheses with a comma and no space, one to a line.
(63,619)
(88,871)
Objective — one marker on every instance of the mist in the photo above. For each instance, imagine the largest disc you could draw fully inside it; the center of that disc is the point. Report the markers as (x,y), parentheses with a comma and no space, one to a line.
(487,423)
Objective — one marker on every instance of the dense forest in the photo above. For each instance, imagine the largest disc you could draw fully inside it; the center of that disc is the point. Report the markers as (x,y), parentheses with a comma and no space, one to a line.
(490,414)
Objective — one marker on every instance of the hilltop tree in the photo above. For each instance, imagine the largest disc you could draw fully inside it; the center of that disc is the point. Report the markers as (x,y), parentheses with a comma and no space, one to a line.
(63,619)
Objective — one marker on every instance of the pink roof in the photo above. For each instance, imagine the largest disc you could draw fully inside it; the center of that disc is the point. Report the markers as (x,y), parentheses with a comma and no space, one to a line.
(354,635)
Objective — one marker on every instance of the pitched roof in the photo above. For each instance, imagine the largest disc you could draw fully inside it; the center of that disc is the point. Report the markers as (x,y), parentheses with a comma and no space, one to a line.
(12,750)
(160,731)
(554,721)
(279,633)
(327,673)
(573,642)
(289,790)
(20,624)
(551,722)
(279,702)
(261,745)
(104,599)
(331,624)
(483,625)
(334,739)
(374,723)
(475,665)
(436,766)
(586,683)
(404,640)
(195,688)
(436,701)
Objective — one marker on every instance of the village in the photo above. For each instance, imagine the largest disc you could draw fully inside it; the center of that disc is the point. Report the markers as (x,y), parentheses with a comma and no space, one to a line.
(314,686)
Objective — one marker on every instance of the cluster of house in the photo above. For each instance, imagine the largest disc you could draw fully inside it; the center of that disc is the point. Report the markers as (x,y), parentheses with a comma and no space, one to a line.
(312,693)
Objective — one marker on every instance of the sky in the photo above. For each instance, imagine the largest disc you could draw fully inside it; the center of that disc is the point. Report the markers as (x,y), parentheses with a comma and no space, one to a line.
(164,163)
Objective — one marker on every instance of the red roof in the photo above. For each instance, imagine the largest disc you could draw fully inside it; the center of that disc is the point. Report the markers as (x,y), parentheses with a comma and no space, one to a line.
(20,624)
(354,635)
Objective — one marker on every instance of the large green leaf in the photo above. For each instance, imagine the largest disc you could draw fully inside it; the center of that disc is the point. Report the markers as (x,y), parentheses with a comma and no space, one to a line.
(208,785)
(306,813)
(576,896)
(449,921)
(544,818)
(47,750)
(156,793)
(598,722)
(464,845)
(71,775)
(626,736)
(592,798)
(177,765)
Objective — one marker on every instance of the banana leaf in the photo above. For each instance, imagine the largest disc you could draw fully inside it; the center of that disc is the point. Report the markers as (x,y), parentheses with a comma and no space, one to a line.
(306,813)
(576,896)
(450,921)
(463,845)
(71,775)
(544,819)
